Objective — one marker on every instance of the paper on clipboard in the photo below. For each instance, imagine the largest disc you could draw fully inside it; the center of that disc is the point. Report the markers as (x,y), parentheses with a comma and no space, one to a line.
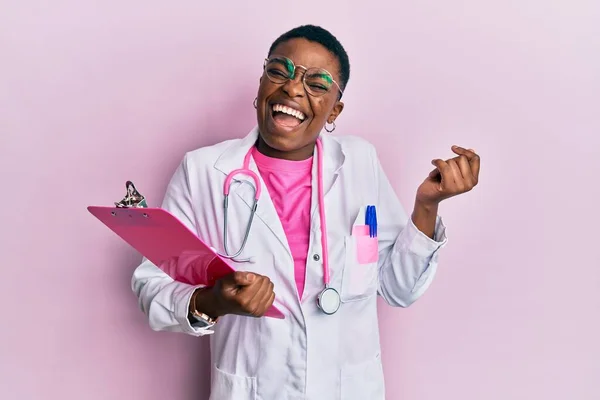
(160,237)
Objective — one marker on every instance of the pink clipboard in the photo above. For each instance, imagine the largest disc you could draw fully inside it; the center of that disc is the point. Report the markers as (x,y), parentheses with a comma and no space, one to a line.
(160,237)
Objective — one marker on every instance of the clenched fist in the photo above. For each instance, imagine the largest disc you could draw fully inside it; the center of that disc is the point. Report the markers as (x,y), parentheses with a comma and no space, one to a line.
(241,293)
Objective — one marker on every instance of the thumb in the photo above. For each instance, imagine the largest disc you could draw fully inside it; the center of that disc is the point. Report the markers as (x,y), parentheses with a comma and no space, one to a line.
(243,278)
(435,175)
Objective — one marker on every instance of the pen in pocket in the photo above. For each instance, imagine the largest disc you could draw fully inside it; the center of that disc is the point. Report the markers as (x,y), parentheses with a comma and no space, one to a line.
(371,220)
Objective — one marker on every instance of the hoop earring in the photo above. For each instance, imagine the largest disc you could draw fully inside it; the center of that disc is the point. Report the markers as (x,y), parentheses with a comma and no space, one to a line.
(255,102)
(332,129)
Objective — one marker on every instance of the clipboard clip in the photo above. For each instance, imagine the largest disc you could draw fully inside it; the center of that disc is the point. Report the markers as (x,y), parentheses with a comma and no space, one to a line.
(132,199)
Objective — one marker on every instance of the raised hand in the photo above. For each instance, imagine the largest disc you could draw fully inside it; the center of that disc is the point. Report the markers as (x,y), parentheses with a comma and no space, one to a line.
(451,177)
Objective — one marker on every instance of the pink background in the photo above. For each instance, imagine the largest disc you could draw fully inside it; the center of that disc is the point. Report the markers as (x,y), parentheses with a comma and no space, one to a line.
(93,94)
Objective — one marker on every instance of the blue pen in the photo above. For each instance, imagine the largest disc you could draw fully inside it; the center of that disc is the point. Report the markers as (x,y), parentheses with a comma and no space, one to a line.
(368,218)
(371,220)
(371,230)
(374,222)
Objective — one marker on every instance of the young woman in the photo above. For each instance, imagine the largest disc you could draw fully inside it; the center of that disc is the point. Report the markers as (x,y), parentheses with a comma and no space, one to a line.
(327,237)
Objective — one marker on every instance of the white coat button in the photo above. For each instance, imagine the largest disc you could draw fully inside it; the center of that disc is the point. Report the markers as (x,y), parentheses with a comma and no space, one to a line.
(316,257)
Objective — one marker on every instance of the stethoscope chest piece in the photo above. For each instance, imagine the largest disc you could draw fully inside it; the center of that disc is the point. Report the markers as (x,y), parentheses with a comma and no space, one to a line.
(329,301)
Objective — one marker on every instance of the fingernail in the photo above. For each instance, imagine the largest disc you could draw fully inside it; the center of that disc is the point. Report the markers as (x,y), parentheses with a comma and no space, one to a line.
(455,147)
(250,277)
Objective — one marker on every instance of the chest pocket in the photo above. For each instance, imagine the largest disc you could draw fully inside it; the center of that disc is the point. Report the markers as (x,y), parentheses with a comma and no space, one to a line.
(359,280)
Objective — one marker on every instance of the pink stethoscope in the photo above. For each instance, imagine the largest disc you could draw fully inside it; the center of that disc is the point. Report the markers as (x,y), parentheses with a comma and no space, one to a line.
(329,299)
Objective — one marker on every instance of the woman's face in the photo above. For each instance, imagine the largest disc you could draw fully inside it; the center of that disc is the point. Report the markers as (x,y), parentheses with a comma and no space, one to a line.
(286,133)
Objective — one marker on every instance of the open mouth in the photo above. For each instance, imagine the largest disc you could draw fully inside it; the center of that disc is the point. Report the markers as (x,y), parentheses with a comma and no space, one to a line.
(287,117)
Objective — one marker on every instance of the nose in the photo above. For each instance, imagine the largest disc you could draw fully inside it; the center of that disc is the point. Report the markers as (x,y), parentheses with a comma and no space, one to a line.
(295,87)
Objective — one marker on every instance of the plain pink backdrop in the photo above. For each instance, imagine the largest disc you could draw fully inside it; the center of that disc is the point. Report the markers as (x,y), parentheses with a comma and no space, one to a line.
(95,93)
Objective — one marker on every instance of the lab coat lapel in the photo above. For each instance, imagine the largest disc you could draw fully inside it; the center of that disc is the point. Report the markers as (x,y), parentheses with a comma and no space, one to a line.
(232,159)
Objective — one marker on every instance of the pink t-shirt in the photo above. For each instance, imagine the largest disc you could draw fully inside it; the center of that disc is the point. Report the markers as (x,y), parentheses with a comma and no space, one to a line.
(289,184)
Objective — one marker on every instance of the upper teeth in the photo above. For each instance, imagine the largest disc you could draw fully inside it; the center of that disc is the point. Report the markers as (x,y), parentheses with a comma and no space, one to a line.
(289,110)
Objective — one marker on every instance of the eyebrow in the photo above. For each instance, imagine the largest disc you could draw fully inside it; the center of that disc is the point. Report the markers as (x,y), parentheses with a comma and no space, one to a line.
(287,64)
(327,77)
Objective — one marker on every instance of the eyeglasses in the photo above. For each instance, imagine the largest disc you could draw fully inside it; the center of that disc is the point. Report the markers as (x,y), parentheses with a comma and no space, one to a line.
(316,81)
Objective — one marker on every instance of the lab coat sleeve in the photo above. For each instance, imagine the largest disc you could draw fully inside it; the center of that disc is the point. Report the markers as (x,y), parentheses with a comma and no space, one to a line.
(165,301)
(408,258)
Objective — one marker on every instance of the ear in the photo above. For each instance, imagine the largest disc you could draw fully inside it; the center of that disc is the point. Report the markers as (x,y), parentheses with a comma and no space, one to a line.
(337,110)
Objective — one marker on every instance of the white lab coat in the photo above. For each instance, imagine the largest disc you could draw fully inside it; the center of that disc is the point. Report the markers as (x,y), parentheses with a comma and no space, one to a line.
(307,355)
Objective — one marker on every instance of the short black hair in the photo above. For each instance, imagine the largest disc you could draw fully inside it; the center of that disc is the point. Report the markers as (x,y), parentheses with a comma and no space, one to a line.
(322,36)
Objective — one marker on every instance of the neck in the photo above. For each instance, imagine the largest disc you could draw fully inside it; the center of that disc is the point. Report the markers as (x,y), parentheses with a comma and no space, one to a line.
(296,155)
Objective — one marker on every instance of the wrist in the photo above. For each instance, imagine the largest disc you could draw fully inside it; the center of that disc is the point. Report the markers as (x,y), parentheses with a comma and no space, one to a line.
(204,301)
(424,217)
(426,207)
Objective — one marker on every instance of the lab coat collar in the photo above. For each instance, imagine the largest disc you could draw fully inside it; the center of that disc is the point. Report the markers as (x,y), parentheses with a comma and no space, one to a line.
(233,158)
